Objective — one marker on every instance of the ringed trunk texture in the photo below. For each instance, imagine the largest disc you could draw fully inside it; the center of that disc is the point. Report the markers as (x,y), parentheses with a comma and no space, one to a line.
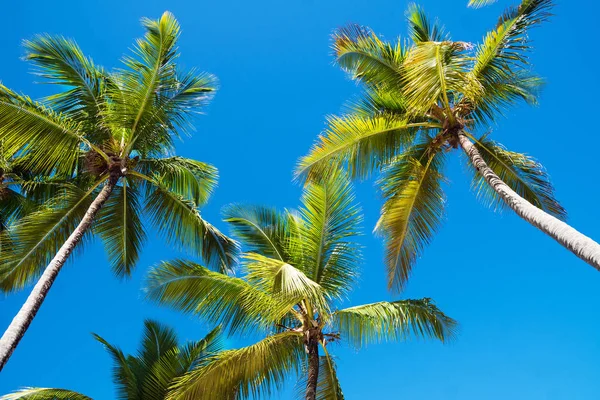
(579,244)
(313,365)
(17,328)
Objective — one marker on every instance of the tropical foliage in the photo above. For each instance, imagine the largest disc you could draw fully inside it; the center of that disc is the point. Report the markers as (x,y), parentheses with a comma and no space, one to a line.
(146,375)
(298,268)
(106,142)
(420,98)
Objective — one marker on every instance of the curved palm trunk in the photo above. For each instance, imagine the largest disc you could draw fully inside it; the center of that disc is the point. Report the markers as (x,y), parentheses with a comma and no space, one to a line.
(17,328)
(579,244)
(313,366)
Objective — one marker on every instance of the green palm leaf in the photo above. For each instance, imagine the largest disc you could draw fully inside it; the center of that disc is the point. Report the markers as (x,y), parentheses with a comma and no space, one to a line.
(45,394)
(250,371)
(361,144)
(219,298)
(331,221)
(480,3)
(413,208)
(396,320)
(421,29)
(39,235)
(179,220)
(522,173)
(120,227)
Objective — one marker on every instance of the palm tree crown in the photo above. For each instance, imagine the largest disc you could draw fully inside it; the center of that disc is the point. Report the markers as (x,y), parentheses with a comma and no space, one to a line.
(146,375)
(422,98)
(105,126)
(298,267)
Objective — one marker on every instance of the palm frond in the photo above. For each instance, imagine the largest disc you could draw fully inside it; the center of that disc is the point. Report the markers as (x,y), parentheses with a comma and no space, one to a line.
(328,385)
(219,298)
(48,142)
(360,52)
(521,173)
(120,227)
(61,62)
(263,230)
(188,178)
(420,27)
(413,208)
(38,236)
(361,144)
(331,221)
(256,370)
(193,354)
(125,378)
(480,3)
(501,66)
(390,321)
(179,220)
(286,284)
(436,73)
(44,394)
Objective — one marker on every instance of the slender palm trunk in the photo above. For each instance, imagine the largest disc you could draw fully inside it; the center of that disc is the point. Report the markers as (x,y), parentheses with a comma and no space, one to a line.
(313,365)
(17,328)
(579,244)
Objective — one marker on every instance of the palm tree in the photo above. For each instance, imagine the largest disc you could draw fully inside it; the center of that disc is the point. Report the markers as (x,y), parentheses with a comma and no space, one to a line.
(146,375)
(298,266)
(423,99)
(109,137)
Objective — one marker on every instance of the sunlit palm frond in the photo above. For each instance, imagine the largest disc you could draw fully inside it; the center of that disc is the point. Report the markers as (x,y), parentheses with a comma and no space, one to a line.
(263,230)
(188,178)
(50,140)
(286,284)
(390,321)
(150,70)
(38,236)
(120,227)
(331,222)
(377,102)
(171,112)
(361,144)
(219,298)
(413,208)
(360,52)
(435,74)
(501,65)
(521,173)
(193,354)
(179,220)
(421,29)
(60,61)
(253,371)
(44,394)
(480,3)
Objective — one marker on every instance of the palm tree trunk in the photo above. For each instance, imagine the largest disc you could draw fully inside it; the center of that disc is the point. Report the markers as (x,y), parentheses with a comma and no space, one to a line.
(313,365)
(579,244)
(17,328)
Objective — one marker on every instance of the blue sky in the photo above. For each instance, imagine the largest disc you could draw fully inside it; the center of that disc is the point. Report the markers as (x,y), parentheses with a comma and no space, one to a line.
(527,307)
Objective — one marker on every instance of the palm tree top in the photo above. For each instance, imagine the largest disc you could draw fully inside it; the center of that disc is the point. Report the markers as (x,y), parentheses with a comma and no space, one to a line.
(298,268)
(419,94)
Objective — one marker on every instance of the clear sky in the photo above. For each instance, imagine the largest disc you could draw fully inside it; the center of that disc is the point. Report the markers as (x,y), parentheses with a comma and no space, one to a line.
(528,309)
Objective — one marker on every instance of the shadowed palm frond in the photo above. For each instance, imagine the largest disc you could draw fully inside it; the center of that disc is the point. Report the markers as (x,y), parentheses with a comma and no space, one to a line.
(413,208)
(391,321)
(421,29)
(120,227)
(521,173)
(264,230)
(38,236)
